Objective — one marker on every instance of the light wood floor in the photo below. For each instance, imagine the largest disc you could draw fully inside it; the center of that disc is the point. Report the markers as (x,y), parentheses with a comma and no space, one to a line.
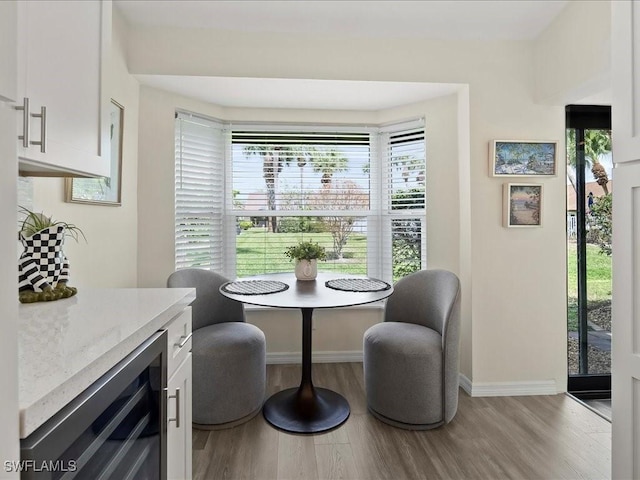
(601,406)
(542,437)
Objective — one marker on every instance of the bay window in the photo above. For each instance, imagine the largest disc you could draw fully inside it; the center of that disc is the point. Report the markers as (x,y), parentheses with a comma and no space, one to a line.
(359,192)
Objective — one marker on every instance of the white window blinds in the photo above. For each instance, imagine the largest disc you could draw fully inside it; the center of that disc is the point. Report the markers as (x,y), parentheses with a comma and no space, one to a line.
(405,200)
(300,184)
(244,193)
(199,192)
(300,170)
(406,165)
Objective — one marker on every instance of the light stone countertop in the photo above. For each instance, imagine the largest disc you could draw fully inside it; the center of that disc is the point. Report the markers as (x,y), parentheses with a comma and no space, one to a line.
(66,345)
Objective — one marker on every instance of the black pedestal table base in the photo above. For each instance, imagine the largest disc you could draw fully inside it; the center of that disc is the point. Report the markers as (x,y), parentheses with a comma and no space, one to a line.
(289,410)
(306,409)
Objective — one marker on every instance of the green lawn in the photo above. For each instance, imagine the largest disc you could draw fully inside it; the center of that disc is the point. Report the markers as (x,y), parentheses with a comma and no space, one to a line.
(259,251)
(598,273)
(598,279)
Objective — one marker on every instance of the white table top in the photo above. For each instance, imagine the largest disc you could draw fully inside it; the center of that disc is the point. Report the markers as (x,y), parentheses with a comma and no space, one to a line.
(66,345)
(308,293)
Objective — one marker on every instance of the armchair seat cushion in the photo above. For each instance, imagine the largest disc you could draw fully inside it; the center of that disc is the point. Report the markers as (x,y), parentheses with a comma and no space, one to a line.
(228,372)
(403,372)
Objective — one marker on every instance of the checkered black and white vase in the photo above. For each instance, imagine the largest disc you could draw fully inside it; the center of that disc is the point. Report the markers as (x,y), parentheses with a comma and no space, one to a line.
(43,262)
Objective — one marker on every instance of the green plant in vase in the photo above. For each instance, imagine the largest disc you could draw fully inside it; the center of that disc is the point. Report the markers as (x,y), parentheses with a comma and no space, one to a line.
(306,255)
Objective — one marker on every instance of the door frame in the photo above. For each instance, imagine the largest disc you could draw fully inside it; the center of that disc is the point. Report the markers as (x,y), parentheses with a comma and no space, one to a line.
(581,118)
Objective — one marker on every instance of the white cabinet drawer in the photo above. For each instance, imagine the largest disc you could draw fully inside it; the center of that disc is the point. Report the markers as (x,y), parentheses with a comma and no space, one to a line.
(179,340)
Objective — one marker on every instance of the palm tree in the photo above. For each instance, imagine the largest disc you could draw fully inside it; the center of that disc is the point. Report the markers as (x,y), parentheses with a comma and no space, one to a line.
(596,144)
(328,162)
(274,158)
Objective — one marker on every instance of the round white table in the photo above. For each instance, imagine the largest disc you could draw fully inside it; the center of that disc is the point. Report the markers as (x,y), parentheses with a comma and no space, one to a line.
(306,409)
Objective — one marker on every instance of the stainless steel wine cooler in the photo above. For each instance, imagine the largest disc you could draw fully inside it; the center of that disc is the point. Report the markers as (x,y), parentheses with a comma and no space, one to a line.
(115,429)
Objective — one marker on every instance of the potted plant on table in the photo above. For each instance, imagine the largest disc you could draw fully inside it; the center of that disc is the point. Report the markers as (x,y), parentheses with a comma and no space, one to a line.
(306,255)
(43,269)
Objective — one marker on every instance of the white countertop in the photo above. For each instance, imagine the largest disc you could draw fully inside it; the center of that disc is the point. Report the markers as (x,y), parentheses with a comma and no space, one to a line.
(66,345)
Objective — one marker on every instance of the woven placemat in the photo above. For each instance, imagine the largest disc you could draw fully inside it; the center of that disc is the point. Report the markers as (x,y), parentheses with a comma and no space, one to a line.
(255,287)
(358,284)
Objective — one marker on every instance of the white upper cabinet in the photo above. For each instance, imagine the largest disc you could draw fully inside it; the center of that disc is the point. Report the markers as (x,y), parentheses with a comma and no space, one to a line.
(8,12)
(62,56)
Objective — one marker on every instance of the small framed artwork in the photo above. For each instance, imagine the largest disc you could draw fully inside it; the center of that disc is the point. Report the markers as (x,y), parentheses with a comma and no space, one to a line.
(522,205)
(530,158)
(104,190)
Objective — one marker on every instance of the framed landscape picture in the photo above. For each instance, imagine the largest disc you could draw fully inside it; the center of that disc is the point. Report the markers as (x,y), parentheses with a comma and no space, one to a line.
(105,190)
(522,205)
(529,158)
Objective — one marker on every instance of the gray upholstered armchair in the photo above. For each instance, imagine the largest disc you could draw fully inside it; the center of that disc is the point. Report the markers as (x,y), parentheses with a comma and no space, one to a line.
(411,359)
(229,355)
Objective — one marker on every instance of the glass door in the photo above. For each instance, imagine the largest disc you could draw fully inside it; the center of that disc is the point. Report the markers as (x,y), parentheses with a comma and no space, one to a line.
(589,190)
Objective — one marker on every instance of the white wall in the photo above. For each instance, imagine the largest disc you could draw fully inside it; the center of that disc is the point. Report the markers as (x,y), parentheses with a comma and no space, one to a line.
(518,275)
(573,54)
(109,257)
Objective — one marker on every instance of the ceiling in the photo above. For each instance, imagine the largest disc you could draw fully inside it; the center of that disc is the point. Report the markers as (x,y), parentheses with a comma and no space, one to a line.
(449,20)
(298,94)
(457,19)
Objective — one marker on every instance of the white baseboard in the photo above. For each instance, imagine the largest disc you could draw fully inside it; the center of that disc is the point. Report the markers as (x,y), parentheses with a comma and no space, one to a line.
(508,389)
(465,384)
(498,389)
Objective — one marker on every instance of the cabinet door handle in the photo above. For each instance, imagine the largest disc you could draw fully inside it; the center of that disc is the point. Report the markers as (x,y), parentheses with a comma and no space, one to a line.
(43,129)
(177,397)
(25,122)
(183,341)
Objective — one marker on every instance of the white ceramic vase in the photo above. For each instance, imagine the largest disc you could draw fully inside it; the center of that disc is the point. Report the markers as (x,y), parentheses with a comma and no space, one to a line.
(306,269)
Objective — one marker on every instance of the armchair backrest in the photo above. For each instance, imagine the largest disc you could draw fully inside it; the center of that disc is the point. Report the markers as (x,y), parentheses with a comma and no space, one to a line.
(427,297)
(210,306)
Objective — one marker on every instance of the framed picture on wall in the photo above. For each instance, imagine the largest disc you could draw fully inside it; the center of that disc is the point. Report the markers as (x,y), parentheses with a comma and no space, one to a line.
(529,158)
(522,205)
(104,190)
